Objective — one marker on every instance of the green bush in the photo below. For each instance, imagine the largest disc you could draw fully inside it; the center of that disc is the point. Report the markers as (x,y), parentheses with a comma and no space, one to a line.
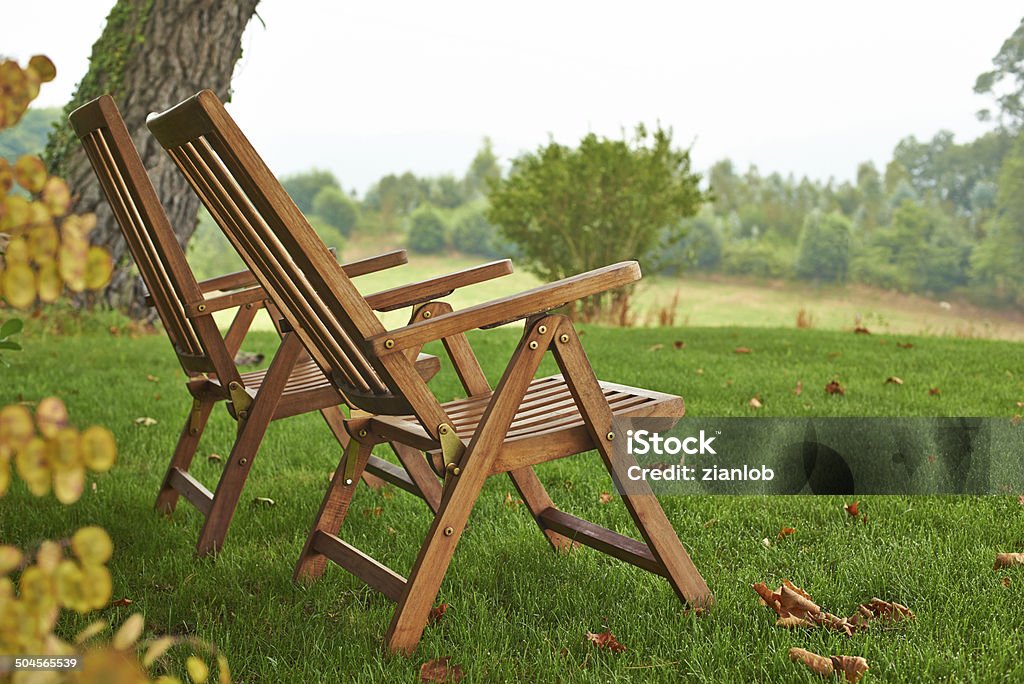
(426,231)
(823,251)
(474,234)
(331,236)
(333,206)
(756,258)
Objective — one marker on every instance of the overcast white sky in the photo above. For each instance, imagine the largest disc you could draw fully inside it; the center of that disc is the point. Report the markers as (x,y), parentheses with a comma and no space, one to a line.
(370,88)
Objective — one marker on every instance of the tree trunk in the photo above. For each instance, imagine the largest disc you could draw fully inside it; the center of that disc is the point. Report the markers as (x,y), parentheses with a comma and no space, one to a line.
(152,54)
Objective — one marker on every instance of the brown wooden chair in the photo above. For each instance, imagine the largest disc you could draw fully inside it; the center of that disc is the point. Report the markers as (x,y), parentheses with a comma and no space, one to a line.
(293,384)
(520,423)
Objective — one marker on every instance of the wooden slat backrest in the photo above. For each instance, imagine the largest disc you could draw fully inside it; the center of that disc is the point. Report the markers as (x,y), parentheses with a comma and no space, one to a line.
(148,232)
(287,256)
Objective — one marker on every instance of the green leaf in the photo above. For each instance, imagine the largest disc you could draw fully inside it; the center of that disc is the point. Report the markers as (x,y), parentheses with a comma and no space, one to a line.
(12,346)
(11,327)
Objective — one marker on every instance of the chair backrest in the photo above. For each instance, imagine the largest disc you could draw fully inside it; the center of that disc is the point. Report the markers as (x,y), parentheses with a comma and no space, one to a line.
(289,259)
(172,285)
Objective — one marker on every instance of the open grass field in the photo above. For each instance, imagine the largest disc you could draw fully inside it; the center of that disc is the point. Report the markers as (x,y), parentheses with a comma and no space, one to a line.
(702,301)
(517,611)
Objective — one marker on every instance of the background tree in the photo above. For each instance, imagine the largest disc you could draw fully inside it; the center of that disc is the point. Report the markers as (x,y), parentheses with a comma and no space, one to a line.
(151,55)
(1006,82)
(426,231)
(823,252)
(303,187)
(336,208)
(573,209)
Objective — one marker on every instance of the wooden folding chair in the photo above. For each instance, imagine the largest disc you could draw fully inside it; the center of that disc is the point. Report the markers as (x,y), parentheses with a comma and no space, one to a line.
(293,384)
(520,423)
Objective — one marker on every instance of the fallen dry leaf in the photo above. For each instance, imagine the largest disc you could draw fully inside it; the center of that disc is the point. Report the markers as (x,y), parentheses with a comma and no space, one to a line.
(145,421)
(766,543)
(656,347)
(1020,499)
(861,330)
(214,458)
(607,640)
(820,665)
(799,389)
(152,378)
(263,501)
(1016,419)
(742,350)
(893,380)
(1008,560)
(439,670)
(934,391)
(755,403)
(852,667)
(374,512)
(1005,582)
(711,522)
(834,387)
(605,498)
(699,371)
(510,502)
(121,603)
(436,613)
(1020,404)
(785,532)
(904,345)
(679,344)
(853,509)
(795,609)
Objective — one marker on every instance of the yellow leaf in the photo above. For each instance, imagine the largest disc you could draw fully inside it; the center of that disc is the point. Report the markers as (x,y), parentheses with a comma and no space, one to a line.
(166,679)
(43,243)
(17,252)
(63,450)
(56,196)
(68,485)
(49,556)
(94,628)
(99,449)
(223,671)
(198,671)
(98,268)
(5,471)
(19,285)
(16,426)
(30,172)
(16,213)
(33,466)
(97,585)
(48,282)
(71,263)
(6,176)
(10,558)
(43,67)
(92,545)
(70,584)
(51,416)
(157,648)
(129,633)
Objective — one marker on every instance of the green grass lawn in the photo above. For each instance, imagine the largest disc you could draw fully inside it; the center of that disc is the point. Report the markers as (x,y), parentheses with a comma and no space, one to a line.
(517,611)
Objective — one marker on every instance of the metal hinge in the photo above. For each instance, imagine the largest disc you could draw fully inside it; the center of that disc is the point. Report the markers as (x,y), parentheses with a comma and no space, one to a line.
(452,449)
(240,400)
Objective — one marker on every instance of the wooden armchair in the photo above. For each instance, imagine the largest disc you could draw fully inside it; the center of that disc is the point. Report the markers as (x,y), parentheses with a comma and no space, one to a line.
(293,384)
(520,423)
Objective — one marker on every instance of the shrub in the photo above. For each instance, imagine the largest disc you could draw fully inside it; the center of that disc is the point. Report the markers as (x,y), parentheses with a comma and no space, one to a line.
(823,252)
(336,208)
(756,258)
(426,231)
(474,234)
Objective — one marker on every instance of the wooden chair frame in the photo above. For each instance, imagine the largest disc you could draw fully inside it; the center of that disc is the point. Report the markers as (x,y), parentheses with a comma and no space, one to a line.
(292,385)
(524,421)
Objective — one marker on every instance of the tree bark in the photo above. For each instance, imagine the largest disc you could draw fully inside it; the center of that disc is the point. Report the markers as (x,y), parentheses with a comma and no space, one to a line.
(152,54)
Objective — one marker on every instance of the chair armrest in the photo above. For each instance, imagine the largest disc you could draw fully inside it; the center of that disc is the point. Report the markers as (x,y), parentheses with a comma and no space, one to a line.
(230,300)
(375,263)
(228,281)
(439,286)
(507,309)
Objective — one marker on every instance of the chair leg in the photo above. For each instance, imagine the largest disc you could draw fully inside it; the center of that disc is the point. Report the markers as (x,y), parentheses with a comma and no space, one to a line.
(332,514)
(420,473)
(537,500)
(642,505)
(232,480)
(188,442)
(335,420)
(461,492)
